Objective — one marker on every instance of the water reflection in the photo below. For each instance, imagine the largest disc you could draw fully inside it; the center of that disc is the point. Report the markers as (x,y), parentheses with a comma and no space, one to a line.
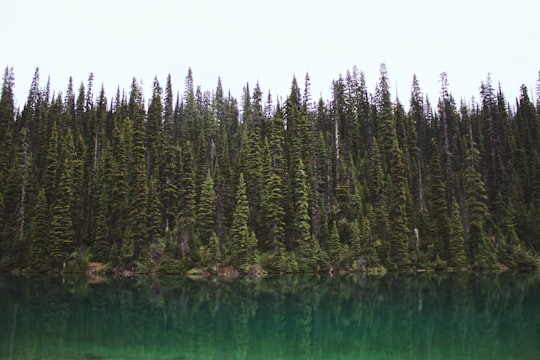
(423,316)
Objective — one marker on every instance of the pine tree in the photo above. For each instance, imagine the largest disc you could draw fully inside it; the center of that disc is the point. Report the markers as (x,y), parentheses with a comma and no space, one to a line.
(367,241)
(302,220)
(40,244)
(456,241)
(448,134)
(169,186)
(240,237)
(15,211)
(214,252)
(88,150)
(355,175)
(334,246)
(437,241)
(187,197)
(7,117)
(252,154)
(119,219)
(480,250)
(386,125)
(154,130)
(417,146)
(104,214)
(76,155)
(356,240)
(224,178)
(380,220)
(51,164)
(323,188)
(324,228)
(399,226)
(252,244)
(343,195)
(274,211)
(188,126)
(169,172)
(61,228)
(375,176)
(153,211)
(168,112)
(138,231)
(205,211)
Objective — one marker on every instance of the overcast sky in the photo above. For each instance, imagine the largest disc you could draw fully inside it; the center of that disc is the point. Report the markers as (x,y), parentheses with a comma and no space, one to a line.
(248,41)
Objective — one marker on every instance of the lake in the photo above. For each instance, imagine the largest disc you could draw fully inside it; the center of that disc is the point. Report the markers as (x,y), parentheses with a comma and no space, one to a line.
(396,316)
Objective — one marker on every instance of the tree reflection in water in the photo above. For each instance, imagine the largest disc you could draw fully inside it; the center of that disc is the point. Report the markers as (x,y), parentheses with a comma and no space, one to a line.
(436,316)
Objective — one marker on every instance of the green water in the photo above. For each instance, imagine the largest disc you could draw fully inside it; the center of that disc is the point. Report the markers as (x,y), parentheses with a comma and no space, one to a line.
(424,316)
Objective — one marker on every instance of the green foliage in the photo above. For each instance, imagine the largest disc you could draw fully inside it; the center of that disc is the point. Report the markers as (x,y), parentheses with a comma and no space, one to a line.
(456,242)
(302,219)
(61,228)
(209,181)
(481,252)
(273,206)
(399,227)
(206,210)
(439,217)
(241,241)
(40,235)
(367,244)
(213,254)
(334,246)
(186,216)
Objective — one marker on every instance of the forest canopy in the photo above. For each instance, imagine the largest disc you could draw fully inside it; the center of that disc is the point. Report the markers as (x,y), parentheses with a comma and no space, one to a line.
(201,180)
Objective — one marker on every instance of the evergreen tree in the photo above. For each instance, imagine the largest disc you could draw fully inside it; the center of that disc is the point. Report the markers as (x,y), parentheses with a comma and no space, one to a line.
(7,117)
(214,252)
(51,164)
(104,213)
(76,155)
(356,176)
(169,186)
(187,196)
(356,240)
(437,241)
(13,237)
(61,228)
(252,153)
(240,237)
(138,231)
(456,241)
(480,249)
(154,130)
(206,210)
(334,246)
(302,220)
(189,120)
(386,126)
(417,146)
(448,135)
(367,242)
(120,210)
(153,211)
(375,183)
(274,211)
(399,226)
(39,249)
(168,112)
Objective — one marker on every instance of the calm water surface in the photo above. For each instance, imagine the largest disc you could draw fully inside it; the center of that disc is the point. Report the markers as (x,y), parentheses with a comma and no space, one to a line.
(425,316)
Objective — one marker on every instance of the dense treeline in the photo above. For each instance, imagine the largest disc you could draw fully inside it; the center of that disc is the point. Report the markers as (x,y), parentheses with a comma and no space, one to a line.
(203,180)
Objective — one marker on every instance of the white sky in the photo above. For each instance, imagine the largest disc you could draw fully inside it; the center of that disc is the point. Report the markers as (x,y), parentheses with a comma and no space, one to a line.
(248,41)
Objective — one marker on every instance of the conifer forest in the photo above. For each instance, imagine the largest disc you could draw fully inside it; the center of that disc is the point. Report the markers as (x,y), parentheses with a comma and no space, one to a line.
(193,179)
